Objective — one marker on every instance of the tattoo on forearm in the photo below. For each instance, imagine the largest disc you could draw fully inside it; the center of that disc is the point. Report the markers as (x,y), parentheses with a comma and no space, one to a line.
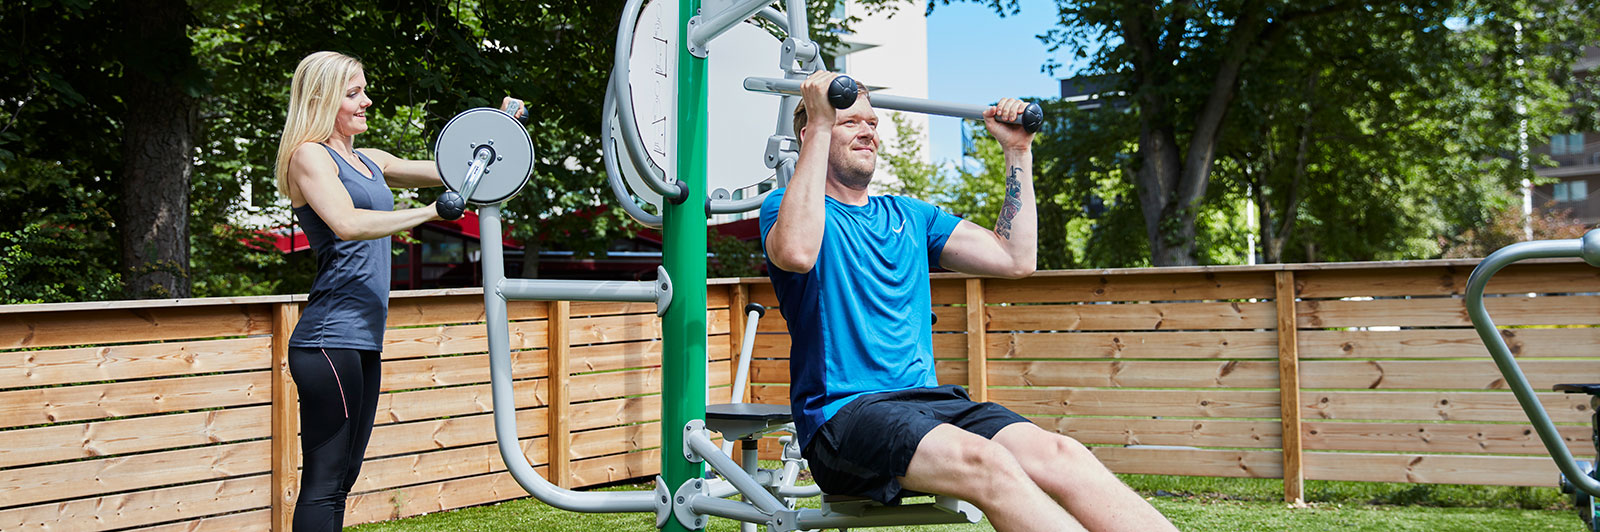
(1012,206)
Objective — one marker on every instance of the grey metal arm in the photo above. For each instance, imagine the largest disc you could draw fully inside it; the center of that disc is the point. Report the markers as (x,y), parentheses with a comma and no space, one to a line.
(653,175)
(608,154)
(1588,248)
(883,101)
(505,411)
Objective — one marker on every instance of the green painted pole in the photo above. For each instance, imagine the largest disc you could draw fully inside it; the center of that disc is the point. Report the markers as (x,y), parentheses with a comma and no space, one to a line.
(683,365)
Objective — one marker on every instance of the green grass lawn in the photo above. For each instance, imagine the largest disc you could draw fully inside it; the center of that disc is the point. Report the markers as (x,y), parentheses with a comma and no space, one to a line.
(1193,503)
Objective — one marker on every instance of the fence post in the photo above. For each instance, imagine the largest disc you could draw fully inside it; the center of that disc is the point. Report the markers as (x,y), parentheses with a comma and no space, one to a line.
(1289,387)
(560,437)
(285,419)
(977,342)
(738,297)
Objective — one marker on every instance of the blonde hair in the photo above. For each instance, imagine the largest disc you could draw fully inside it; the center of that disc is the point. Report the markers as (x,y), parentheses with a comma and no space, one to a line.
(314,98)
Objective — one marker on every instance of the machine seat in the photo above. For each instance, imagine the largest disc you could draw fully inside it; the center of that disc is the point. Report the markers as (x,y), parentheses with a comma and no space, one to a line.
(1591,389)
(741,420)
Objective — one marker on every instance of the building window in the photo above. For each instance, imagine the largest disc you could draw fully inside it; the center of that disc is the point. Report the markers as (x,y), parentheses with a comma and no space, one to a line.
(839,12)
(1566,144)
(1572,191)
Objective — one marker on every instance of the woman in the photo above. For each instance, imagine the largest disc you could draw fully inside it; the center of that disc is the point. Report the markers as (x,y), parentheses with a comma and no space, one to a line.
(341,196)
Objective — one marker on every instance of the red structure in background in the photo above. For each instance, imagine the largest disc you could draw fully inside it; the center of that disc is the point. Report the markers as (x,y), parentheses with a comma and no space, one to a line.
(445,254)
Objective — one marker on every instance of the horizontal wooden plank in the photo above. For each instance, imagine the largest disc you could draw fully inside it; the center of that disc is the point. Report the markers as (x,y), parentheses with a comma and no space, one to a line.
(1193,462)
(1185,432)
(1479,374)
(410,469)
(1094,402)
(465,308)
(1439,438)
(1447,312)
(1100,288)
(89,327)
(52,443)
(1446,281)
(94,477)
(1139,344)
(1132,317)
(613,440)
(251,521)
(947,291)
(74,403)
(625,411)
(483,489)
(1432,469)
(614,356)
(410,501)
(457,370)
(417,405)
(633,327)
(1449,343)
(716,299)
(455,339)
(190,502)
(452,432)
(137,361)
(1133,373)
(1438,406)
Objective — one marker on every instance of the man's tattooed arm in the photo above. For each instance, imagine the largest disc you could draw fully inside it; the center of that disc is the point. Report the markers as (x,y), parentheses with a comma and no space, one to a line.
(1013,204)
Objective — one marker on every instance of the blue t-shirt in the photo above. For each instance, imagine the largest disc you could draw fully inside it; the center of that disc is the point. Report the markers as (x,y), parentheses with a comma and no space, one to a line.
(858,321)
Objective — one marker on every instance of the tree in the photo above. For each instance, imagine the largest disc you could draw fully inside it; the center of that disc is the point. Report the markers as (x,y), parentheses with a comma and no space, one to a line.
(1360,129)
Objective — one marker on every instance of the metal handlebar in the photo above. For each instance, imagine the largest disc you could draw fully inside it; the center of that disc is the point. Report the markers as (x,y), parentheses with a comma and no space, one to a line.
(1588,248)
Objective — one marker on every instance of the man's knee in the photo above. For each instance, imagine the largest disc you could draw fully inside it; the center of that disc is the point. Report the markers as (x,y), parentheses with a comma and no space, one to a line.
(1033,445)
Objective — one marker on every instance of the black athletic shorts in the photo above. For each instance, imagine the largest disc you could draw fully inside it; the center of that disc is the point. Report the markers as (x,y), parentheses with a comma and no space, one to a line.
(867,445)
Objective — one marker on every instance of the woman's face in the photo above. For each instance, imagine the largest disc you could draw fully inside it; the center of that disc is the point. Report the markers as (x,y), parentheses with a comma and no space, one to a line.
(352,117)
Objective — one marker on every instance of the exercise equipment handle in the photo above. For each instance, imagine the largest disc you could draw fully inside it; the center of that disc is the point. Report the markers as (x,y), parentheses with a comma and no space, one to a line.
(842,93)
(452,205)
(1588,248)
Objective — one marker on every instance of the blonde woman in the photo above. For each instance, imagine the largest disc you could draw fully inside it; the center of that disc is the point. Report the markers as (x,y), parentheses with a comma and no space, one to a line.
(341,196)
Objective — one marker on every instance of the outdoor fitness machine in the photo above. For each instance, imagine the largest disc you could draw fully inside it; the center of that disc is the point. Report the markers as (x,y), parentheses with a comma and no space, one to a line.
(681,141)
(1577,477)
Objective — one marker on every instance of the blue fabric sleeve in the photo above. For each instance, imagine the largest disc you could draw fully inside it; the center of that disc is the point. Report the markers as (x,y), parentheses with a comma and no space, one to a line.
(769,213)
(938,224)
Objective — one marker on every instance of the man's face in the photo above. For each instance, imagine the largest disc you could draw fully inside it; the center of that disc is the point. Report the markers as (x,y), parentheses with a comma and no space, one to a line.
(853,154)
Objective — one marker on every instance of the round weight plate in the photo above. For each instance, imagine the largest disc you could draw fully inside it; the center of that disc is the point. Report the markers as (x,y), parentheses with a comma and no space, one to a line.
(507,173)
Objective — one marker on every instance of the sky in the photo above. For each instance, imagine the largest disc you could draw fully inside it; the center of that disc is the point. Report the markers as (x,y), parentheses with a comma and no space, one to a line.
(974,56)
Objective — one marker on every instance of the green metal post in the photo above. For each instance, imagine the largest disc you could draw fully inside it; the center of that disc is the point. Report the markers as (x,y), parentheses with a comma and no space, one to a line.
(683,329)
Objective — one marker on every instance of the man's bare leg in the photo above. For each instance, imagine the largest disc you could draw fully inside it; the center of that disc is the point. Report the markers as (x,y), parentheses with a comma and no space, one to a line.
(954,462)
(1077,480)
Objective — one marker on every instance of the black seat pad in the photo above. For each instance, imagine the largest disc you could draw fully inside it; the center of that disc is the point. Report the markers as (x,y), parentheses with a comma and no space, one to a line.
(1591,389)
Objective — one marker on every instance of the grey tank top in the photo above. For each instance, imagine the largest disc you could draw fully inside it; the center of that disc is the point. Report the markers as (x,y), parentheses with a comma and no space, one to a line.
(349,301)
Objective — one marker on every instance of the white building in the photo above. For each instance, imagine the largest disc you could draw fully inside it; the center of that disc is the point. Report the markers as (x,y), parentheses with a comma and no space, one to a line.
(889,53)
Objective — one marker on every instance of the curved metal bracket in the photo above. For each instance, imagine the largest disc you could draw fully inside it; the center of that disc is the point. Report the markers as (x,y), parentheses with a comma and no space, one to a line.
(683,504)
(1588,248)
(663,290)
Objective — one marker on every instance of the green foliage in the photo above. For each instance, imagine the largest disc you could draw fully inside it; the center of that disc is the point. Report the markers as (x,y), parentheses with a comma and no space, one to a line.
(914,176)
(731,257)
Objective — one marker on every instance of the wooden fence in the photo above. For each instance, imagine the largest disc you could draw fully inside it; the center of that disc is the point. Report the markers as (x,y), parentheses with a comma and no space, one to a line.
(179,415)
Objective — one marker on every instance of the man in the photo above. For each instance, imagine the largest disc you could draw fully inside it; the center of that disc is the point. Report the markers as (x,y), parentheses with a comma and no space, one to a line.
(851,274)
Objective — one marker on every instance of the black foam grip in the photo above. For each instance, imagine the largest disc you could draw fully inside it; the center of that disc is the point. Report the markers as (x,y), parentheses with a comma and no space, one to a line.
(759,309)
(451,206)
(842,92)
(1032,118)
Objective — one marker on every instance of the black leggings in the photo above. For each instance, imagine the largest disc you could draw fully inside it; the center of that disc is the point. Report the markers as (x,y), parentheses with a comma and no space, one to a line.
(338,399)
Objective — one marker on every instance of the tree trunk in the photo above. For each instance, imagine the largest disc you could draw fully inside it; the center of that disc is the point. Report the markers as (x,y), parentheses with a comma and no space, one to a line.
(530,259)
(158,149)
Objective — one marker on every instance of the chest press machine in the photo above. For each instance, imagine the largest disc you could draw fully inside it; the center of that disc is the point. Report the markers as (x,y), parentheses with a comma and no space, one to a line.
(676,101)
